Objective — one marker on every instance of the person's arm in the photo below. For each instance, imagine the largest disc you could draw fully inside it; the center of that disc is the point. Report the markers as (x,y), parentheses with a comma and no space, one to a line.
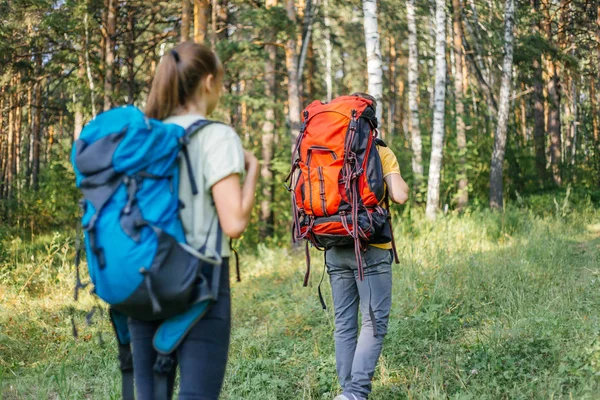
(397,188)
(234,202)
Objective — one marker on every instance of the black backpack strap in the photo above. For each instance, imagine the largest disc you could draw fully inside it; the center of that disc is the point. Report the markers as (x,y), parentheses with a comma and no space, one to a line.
(185,141)
(197,126)
(394,251)
(163,368)
(380,142)
(126,366)
(237,260)
(119,323)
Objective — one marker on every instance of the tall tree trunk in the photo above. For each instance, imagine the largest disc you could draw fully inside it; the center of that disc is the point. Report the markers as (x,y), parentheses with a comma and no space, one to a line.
(3,144)
(31,136)
(496,185)
(310,73)
(592,83)
(401,120)
(291,63)
(461,137)
(374,64)
(437,139)
(268,128)
(566,112)
(10,159)
(574,122)
(309,16)
(37,126)
(200,20)
(523,116)
(77,118)
(213,23)
(391,117)
(593,101)
(413,95)
(130,58)
(244,112)
(88,67)
(185,20)
(18,137)
(328,50)
(109,61)
(539,111)
(104,30)
(554,124)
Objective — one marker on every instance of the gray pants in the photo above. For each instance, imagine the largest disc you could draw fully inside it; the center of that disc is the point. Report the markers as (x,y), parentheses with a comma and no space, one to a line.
(356,359)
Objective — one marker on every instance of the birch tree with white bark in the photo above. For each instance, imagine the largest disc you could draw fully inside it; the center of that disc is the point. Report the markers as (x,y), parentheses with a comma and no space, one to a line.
(437,138)
(374,64)
(496,185)
(413,92)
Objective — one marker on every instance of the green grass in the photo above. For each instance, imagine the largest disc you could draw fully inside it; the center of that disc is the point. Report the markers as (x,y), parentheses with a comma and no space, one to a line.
(486,306)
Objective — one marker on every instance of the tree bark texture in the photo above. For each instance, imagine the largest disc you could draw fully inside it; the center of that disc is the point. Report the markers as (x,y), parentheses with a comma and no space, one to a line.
(391,115)
(461,137)
(413,94)
(437,139)
(594,104)
(37,127)
(88,67)
(554,118)
(200,20)
(328,50)
(374,64)
(496,169)
(291,63)
(185,20)
(267,140)
(109,61)
(539,126)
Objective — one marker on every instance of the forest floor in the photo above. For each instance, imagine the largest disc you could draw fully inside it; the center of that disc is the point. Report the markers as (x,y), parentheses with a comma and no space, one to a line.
(486,306)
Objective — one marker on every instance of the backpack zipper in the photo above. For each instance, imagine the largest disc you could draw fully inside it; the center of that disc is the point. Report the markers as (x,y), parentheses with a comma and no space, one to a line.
(322,186)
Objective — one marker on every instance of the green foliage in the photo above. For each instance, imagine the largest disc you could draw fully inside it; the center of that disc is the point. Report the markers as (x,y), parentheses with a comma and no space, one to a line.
(486,306)
(53,206)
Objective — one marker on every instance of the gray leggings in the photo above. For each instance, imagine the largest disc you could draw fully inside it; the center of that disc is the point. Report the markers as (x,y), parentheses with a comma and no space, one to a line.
(356,357)
(201,357)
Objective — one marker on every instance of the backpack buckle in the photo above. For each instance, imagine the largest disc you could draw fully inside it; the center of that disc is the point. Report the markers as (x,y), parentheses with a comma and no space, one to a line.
(164,364)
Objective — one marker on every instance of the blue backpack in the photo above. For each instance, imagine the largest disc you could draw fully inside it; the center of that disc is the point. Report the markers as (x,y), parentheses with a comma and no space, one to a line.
(127,167)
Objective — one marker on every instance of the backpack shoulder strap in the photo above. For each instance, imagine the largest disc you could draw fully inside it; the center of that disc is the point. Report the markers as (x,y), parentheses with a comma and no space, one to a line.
(185,140)
(380,142)
(199,125)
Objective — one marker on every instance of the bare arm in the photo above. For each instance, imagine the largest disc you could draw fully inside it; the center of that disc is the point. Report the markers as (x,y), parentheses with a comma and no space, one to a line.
(397,188)
(234,202)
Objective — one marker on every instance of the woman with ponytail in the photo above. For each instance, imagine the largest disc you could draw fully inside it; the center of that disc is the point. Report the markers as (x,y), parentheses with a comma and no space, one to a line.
(186,88)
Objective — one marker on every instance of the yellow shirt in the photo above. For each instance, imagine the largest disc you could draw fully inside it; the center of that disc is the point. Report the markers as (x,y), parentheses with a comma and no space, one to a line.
(390,166)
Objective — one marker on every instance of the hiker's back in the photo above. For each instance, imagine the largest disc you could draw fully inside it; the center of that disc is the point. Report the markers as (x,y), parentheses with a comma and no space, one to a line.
(217,153)
(339,186)
(166,280)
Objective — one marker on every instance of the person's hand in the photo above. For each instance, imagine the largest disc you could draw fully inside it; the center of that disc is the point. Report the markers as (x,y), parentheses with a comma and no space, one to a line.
(250,161)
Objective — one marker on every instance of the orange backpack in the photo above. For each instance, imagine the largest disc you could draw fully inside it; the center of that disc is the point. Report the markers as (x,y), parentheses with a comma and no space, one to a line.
(337,181)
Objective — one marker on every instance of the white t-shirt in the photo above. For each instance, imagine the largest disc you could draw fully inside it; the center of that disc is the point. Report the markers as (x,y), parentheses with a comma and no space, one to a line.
(215,153)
